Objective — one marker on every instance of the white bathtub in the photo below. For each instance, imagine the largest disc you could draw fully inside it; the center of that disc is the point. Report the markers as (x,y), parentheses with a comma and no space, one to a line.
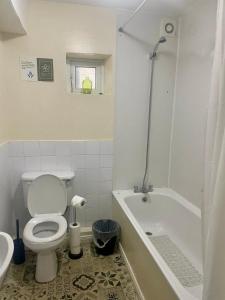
(174,246)
(6,252)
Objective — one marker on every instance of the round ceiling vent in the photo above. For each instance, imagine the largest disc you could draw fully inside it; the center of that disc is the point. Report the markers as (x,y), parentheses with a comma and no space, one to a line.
(168,27)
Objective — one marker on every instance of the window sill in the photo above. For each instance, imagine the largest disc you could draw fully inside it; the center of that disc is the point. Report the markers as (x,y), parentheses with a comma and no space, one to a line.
(89,95)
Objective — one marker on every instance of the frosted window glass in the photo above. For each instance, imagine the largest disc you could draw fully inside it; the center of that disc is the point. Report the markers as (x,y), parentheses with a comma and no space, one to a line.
(82,73)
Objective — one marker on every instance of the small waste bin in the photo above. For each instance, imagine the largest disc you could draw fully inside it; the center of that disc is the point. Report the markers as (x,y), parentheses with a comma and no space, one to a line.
(105,235)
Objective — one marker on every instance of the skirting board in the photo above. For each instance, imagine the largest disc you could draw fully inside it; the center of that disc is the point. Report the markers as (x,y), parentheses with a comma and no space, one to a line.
(140,294)
(85,232)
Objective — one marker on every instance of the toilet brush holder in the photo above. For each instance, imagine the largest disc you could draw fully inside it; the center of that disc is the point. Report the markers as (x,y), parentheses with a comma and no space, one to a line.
(76,251)
(19,252)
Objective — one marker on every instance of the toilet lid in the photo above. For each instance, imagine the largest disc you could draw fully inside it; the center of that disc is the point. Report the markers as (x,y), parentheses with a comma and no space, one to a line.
(47,195)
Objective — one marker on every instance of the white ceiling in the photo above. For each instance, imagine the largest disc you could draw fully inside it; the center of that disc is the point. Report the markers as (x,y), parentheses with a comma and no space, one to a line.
(169,7)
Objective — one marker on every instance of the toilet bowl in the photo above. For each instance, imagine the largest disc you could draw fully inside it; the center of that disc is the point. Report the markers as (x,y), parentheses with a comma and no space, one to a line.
(43,234)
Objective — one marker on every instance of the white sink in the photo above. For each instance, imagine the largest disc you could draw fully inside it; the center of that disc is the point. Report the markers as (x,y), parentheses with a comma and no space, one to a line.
(6,252)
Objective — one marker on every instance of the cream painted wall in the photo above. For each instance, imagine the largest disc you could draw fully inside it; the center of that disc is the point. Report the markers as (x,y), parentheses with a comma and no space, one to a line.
(3,113)
(45,110)
(197,36)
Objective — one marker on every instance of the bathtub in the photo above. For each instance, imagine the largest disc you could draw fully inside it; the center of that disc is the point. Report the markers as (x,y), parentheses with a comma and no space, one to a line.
(6,252)
(161,239)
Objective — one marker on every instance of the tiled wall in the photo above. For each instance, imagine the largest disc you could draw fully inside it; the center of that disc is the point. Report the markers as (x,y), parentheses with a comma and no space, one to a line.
(91,161)
(6,208)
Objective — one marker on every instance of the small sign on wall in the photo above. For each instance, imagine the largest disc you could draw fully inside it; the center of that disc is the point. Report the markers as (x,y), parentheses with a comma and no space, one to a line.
(28,69)
(45,69)
(33,69)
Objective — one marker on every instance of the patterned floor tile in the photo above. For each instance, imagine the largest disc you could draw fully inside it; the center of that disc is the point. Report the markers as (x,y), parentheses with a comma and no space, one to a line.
(112,294)
(92,277)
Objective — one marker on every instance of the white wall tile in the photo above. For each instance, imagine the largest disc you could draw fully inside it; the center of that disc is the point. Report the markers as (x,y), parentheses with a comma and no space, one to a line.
(92,147)
(6,205)
(92,214)
(4,167)
(105,187)
(32,163)
(92,174)
(92,201)
(6,210)
(47,148)
(106,161)
(17,165)
(63,163)
(48,163)
(92,161)
(31,148)
(78,161)
(16,171)
(106,174)
(105,202)
(91,181)
(81,216)
(16,149)
(79,183)
(92,187)
(78,147)
(106,147)
(63,148)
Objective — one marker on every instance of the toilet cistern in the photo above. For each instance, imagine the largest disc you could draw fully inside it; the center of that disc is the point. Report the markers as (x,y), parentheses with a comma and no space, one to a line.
(75,249)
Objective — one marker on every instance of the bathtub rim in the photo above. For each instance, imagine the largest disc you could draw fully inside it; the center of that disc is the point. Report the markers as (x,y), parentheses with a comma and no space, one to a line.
(120,195)
(8,257)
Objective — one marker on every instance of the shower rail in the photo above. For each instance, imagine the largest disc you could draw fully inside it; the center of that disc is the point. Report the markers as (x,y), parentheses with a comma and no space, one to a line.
(121,28)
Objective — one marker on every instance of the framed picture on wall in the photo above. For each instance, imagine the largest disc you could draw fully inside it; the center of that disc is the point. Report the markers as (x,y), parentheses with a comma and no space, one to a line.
(45,69)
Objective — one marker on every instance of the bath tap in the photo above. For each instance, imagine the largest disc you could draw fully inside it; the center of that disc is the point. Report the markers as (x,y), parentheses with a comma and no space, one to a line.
(143,189)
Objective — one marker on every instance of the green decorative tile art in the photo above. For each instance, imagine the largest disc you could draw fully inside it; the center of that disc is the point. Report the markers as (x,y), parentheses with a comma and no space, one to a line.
(45,69)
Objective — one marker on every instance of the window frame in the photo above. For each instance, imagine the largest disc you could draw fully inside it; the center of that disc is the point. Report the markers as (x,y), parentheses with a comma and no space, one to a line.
(87,63)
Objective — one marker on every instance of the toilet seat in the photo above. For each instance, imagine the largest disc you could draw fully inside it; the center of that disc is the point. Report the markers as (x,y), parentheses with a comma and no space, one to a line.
(47,195)
(29,233)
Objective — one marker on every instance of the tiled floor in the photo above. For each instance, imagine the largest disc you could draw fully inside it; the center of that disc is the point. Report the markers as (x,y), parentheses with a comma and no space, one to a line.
(89,278)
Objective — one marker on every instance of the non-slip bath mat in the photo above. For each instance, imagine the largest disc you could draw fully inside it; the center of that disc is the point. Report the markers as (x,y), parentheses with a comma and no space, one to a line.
(179,264)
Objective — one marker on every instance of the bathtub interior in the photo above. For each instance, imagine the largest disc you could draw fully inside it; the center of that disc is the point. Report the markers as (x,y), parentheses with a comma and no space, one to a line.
(175,232)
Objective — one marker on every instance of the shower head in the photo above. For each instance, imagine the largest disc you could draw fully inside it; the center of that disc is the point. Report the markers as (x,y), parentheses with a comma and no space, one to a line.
(160,41)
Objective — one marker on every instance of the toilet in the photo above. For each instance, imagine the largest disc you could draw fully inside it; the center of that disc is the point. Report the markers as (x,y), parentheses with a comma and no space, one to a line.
(46,199)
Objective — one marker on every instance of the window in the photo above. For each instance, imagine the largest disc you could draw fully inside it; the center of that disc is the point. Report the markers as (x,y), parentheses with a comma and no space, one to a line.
(79,69)
(83,72)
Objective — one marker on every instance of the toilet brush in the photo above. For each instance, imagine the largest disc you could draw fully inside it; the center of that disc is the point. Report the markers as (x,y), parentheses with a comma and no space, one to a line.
(19,252)
(76,251)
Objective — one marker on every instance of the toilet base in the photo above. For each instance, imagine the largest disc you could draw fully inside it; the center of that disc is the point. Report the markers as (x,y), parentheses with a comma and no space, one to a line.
(46,267)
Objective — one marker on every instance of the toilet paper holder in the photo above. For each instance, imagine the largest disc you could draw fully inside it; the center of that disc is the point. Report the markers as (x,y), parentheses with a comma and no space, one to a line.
(76,251)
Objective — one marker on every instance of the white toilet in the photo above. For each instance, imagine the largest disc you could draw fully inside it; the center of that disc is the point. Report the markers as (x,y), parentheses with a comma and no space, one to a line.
(46,199)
